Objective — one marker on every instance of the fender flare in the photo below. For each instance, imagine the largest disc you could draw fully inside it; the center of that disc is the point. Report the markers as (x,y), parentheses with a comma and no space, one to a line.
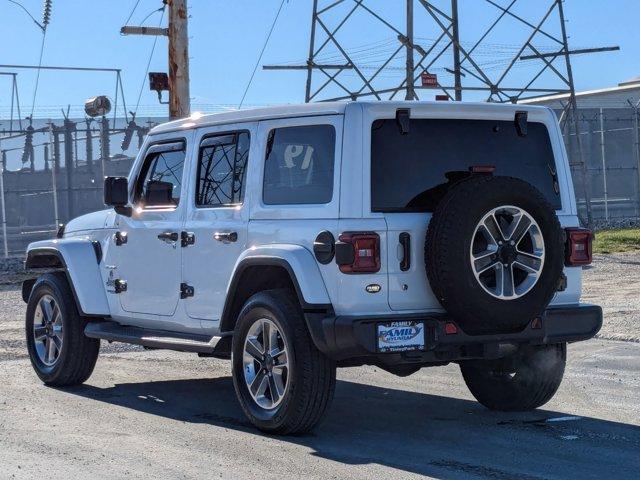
(80,259)
(300,265)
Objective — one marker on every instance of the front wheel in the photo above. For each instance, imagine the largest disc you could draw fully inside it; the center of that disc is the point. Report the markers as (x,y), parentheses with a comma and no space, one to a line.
(60,353)
(283,382)
(523,381)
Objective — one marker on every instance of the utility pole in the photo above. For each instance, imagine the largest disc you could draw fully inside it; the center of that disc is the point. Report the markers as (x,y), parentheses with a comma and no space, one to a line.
(178,61)
(179,104)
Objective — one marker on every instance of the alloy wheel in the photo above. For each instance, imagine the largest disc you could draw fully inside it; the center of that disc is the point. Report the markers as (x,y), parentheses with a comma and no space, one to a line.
(47,330)
(507,252)
(265,362)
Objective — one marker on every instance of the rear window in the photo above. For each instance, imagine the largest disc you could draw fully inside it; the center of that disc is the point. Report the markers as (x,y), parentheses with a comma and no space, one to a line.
(412,172)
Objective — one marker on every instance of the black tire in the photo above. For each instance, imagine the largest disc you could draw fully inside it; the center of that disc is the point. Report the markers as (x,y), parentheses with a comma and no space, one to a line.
(525,381)
(449,240)
(312,376)
(78,354)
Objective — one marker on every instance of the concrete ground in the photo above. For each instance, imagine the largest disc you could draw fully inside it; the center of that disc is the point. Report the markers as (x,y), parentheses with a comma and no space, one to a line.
(158,414)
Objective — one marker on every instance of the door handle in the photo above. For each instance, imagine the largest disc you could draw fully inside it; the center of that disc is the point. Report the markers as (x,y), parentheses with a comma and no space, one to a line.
(169,236)
(405,241)
(226,237)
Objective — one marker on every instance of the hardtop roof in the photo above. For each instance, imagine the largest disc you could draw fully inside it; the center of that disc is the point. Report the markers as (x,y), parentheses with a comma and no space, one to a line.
(321,108)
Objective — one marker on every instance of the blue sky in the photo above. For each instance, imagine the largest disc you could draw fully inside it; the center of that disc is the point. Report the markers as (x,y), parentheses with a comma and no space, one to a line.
(226,38)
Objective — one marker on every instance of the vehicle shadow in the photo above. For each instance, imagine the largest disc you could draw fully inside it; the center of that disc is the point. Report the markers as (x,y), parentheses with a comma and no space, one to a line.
(413,432)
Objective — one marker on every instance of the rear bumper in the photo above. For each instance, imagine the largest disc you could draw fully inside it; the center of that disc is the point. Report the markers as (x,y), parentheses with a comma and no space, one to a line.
(353,338)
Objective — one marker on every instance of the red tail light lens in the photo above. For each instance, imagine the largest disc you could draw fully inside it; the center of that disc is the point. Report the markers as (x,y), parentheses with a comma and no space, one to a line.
(366,252)
(578,247)
(450,328)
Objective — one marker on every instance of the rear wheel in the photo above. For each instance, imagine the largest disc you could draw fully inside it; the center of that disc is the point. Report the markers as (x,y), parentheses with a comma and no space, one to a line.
(283,382)
(60,353)
(521,382)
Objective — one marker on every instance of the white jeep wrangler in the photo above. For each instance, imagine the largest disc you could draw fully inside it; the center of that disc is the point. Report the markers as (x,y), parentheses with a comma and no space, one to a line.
(296,239)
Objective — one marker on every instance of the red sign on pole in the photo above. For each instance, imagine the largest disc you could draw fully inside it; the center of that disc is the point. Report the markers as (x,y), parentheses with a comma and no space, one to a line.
(429,79)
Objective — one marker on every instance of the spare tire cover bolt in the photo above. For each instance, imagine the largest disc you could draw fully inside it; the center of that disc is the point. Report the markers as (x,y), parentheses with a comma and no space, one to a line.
(512,242)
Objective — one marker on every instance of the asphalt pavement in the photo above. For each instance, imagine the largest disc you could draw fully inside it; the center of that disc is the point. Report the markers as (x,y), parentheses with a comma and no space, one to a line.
(156,414)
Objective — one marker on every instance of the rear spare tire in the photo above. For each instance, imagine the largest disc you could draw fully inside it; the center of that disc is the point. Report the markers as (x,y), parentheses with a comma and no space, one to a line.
(494,254)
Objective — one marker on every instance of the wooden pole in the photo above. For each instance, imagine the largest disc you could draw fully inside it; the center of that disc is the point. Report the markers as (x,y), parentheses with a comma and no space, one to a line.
(179,104)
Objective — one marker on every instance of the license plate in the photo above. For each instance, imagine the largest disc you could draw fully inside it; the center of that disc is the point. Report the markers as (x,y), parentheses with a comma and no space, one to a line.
(400,336)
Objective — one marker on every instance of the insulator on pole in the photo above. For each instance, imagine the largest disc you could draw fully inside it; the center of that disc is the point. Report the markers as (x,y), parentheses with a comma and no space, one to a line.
(46,12)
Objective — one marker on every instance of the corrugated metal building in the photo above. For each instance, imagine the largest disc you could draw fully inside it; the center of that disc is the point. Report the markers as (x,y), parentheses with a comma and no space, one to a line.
(625,95)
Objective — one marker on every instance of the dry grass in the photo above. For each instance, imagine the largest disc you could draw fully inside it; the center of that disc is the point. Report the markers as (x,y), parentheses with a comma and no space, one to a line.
(617,240)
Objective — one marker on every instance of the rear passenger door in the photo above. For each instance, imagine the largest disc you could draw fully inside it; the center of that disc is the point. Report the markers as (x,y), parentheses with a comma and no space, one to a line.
(217,217)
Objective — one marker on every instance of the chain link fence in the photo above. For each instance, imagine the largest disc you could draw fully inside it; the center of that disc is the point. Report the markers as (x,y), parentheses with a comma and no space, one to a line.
(52,171)
(609,139)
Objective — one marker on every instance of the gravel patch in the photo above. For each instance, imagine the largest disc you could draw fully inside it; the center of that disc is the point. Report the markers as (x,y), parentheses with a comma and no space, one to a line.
(613,282)
(12,270)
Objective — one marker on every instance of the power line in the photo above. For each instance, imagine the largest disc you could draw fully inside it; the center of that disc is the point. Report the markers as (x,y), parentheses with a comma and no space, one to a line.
(161,9)
(153,48)
(132,12)
(27,12)
(35,88)
(266,41)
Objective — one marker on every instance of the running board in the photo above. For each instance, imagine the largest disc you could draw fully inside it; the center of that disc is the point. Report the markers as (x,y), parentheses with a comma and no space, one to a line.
(182,342)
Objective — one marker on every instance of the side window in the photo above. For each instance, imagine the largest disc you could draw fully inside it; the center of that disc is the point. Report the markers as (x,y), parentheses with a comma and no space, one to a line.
(160,180)
(222,166)
(299,165)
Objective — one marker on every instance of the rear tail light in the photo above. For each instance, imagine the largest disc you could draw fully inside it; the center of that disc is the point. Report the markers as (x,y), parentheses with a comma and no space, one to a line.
(578,247)
(358,252)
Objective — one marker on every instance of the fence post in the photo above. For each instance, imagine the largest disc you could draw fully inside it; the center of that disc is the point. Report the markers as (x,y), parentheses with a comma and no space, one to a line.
(104,144)
(69,128)
(4,212)
(54,186)
(604,167)
(88,144)
(636,136)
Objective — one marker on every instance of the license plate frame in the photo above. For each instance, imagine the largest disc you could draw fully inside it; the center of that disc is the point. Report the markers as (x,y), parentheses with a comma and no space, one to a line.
(400,336)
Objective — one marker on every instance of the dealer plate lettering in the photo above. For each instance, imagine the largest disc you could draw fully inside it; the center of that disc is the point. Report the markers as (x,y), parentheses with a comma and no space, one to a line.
(400,336)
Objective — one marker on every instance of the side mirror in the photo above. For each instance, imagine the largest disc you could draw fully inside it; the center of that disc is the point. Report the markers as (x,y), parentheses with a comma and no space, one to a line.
(116,194)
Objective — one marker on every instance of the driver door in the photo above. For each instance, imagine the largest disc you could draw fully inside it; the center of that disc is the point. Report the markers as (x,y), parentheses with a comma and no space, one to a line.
(150,260)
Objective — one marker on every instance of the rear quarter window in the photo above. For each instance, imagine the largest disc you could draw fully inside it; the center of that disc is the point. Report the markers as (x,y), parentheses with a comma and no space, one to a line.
(412,172)
(299,165)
